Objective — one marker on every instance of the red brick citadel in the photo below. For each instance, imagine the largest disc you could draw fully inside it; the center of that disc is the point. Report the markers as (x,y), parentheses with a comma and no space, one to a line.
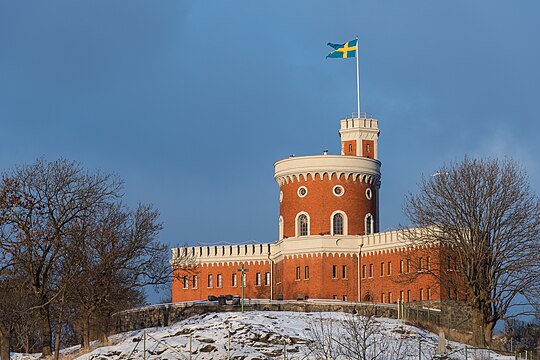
(329,246)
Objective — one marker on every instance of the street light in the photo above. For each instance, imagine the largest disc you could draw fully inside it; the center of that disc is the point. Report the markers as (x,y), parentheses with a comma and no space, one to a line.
(242,279)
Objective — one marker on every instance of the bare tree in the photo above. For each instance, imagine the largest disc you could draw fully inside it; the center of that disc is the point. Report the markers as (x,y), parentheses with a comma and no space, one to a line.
(37,204)
(483,214)
(358,336)
(116,253)
(323,333)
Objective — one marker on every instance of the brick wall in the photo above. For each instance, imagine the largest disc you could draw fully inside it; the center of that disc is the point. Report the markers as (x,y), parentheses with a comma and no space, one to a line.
(226,271)
(320,203)
(323,276)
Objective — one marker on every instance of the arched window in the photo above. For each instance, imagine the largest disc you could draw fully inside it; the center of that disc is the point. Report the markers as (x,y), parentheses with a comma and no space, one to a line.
(280,227)
(337,224)
(369,224)
(303,225)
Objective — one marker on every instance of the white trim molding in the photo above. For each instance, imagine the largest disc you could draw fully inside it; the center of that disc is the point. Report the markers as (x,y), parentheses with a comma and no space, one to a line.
(303,167)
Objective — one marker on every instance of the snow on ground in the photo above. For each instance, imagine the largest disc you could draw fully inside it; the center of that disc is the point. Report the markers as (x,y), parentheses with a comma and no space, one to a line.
(264,335)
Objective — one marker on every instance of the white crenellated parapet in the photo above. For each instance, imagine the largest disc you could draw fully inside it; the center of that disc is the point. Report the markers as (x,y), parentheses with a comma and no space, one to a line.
(302,167)
(295,246)
(365,123)
(222,253)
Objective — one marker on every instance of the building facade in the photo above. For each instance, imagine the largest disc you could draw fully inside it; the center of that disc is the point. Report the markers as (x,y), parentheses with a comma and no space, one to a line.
(329,244)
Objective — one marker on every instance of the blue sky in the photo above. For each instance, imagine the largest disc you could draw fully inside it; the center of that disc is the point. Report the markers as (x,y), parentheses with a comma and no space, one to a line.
(191,102)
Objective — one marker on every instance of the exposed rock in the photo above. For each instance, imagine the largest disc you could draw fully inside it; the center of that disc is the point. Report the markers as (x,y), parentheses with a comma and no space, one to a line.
(207,348)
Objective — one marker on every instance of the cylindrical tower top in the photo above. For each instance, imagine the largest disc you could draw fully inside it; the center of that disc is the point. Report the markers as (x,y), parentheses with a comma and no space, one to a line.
(333,195)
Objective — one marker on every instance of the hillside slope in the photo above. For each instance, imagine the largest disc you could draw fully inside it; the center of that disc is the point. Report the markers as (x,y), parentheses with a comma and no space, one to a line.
(263,335)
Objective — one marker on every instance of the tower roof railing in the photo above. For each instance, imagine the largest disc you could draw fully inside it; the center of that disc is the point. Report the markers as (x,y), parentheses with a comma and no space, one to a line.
(361,115)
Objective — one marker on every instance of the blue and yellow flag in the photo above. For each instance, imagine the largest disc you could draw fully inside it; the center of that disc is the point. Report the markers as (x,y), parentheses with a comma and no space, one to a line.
(343,51)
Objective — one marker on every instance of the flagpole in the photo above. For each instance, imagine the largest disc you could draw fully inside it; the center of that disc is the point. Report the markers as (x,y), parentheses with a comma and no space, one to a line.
(357,77)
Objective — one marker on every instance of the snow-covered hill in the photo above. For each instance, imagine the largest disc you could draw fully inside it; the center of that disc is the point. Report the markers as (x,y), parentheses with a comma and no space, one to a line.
(290,335)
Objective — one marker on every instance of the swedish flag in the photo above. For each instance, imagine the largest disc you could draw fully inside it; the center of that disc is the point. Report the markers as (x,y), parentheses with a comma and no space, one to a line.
(343,51)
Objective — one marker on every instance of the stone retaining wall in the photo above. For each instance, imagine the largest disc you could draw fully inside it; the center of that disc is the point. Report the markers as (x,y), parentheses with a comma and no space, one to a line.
(168,314)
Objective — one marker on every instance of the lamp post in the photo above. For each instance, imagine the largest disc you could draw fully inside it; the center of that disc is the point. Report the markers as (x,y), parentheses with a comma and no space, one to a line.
(242,271)
(359,277)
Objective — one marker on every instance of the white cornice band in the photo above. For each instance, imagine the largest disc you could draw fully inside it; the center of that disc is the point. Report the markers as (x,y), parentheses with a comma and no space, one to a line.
(359,168)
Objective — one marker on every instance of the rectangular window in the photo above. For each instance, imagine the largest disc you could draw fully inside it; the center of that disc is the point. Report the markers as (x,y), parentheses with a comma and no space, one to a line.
(408,265)
(219,281)
(449,266)
(344,271)
(344,297)
(258,279)
(306,272)
(383,297)
(401,267)
(364,271)
(195,281)
(409,295)
(210,281)
(335,297)
(234,280)
(428,263)
(429,293)
(334,271)
(186,281)
(382,269)
(389,297)
(370,270)
(267,279)
(389,268)
(421,294)
(401,295)
(298,273)
(420,264)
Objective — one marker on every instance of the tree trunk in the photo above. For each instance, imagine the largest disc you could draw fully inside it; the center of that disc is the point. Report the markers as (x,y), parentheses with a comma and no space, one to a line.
(477,324)
(85,331)
(58,332)
(4,344)
(488,332)
(45,328)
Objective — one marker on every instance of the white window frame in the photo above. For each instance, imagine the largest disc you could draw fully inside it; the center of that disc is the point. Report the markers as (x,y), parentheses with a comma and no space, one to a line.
(219,280)
(298,191)
(369,193)
(297,224)
(342,190)
(372,224)
(186,281)
(345,223)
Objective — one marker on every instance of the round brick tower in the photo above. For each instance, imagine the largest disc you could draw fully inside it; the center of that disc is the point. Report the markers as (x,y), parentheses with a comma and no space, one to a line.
(333,194)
